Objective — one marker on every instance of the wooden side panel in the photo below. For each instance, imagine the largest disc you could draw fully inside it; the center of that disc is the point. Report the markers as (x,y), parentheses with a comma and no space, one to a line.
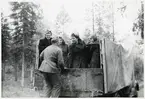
(37,55)
(95,80)
(78,82)
(83,82)
(38,84)
(75,80)
(36,77)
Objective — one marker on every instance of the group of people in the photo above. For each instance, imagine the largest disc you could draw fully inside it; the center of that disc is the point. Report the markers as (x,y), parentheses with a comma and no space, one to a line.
(55,55)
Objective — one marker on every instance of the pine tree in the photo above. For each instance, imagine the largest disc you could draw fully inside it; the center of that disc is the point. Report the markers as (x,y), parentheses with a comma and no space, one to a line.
(102,20)
(5,33)
(25,15)
(138,26)
(61,20)
(87,34)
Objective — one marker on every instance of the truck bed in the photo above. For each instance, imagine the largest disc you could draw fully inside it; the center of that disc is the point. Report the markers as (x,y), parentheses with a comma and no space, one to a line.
(79,82)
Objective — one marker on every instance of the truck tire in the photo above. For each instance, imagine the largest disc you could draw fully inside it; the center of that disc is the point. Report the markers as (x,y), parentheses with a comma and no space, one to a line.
(117,94)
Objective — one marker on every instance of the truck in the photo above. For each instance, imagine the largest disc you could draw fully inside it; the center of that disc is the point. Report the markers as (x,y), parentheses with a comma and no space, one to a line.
(114,77)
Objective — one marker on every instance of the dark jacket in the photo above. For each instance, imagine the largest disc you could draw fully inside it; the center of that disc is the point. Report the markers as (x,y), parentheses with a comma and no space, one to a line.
(95,60)
(52,60)
(43,43)
(76,55)
(65,51)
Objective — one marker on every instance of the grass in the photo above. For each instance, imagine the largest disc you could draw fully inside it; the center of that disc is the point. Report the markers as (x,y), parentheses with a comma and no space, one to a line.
(13,89)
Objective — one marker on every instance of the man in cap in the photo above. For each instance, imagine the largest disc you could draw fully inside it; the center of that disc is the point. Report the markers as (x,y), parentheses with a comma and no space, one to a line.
(51,65)
(43,43)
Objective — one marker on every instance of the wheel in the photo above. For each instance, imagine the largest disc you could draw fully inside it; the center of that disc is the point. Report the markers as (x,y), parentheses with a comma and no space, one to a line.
(133,92)
(117,94)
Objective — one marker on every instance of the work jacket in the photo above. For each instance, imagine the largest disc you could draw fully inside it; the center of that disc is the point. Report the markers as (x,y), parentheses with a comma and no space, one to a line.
(52,59)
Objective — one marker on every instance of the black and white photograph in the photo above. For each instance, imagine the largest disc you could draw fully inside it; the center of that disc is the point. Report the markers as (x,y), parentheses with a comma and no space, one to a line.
(72,48)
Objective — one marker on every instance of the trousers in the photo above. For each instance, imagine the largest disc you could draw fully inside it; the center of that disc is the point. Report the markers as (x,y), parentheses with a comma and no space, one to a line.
(52,85)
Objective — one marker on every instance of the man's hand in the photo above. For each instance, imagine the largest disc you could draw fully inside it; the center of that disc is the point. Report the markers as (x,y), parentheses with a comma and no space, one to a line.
(65,68)
(64,71)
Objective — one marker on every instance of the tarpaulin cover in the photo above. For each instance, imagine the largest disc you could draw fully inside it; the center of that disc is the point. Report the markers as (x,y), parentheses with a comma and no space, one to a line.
(119,66)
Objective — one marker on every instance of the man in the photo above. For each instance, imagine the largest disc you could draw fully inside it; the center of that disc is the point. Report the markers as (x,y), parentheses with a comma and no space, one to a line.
(43,43)
(51,65)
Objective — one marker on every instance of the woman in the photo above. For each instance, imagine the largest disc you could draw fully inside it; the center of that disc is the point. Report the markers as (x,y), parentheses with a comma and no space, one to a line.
(95,60)
(64,48)
(76,55)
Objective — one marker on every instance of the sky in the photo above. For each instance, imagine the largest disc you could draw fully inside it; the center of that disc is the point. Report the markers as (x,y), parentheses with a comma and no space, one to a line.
(76,10)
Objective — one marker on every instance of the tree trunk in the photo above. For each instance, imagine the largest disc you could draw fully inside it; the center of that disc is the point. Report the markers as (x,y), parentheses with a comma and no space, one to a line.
(142,29)
(113,20)
(16,70)
(3,71)
(23,65)
(93,17)
(31,73)
(23,69)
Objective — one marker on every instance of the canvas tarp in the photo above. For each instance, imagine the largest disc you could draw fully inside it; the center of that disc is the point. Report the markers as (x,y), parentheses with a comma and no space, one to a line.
(119,66)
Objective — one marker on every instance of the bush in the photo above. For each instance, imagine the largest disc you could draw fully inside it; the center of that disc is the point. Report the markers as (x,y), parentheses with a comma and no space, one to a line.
(139,65)
(9,69)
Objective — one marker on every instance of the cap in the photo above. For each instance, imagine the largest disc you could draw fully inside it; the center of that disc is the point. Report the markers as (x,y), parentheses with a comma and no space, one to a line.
(54,40)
